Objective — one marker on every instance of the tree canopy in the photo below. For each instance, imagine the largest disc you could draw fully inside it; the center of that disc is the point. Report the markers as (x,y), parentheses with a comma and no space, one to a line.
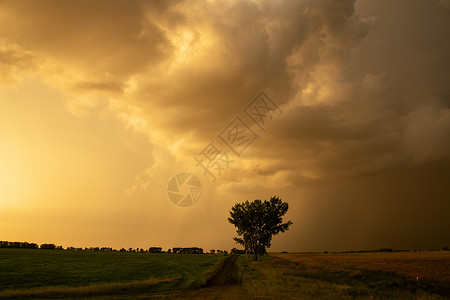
(257,222)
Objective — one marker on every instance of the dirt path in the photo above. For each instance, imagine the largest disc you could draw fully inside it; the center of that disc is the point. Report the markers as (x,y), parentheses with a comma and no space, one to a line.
(227,275)
(223,285)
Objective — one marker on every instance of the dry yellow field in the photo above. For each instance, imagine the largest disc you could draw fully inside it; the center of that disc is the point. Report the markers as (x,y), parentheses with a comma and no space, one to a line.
(424,265)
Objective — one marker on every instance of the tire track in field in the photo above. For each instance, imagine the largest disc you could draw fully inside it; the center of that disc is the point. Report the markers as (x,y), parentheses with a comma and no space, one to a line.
(223,285)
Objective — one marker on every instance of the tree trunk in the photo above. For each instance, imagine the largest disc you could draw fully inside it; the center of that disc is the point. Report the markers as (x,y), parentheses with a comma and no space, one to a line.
(255,249)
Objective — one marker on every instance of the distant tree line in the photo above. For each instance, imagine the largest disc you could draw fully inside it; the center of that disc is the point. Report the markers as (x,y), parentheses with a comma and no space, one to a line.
(24,245)
(51,247)
(237,251)
(191,250)
(155,250)
(48,246)
(212,251)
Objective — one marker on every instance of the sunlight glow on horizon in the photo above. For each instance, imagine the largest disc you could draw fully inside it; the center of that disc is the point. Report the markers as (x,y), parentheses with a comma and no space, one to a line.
(101,105)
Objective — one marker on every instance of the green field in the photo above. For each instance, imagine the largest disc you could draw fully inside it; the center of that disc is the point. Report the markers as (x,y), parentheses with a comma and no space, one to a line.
(25,269)
(114,275)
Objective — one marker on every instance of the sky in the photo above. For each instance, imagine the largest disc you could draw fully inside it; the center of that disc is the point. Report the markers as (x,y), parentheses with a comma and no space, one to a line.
(340,108)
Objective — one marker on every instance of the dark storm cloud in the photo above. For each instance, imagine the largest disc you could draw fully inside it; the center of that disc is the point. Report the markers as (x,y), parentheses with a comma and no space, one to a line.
(363,86)
(116,38)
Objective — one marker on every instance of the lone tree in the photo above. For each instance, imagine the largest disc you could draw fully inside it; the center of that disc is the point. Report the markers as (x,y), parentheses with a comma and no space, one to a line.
(257,222)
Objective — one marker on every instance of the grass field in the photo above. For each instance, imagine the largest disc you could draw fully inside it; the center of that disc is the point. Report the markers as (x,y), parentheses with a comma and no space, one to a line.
(25,269)
(425,266)
(402,275)
(115,275)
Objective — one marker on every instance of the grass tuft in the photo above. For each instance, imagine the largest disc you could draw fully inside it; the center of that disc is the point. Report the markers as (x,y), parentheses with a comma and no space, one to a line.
(86,291)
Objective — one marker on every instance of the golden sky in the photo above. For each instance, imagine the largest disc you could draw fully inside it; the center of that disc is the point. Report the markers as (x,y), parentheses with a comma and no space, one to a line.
(103,102)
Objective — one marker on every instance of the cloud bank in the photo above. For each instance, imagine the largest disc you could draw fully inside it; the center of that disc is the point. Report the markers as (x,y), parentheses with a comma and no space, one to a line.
(363,87)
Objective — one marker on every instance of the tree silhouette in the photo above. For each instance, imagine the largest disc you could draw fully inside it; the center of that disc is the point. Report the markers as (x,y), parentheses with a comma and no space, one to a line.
(257,222)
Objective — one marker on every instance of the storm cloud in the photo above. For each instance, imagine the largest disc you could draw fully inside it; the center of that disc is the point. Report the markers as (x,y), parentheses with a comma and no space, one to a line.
(361,150)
